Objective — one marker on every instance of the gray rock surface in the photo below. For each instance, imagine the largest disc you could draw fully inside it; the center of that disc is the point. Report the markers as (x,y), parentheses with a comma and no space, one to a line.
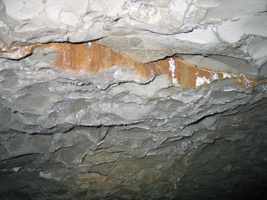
(111,135)
(145,30)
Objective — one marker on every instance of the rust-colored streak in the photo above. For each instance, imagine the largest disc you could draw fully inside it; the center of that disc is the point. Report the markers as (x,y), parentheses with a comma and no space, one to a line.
(186,74)
(95,58)
(89,57)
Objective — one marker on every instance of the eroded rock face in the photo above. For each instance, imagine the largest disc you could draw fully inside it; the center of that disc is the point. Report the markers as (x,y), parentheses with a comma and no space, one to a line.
(169,103)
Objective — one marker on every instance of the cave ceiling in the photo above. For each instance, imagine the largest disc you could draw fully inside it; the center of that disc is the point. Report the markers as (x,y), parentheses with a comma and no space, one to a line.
(133,100)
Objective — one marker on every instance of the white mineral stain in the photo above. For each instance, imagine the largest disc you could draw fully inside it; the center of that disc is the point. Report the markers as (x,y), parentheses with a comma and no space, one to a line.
(227,75)
(201,81)
(172,70)
(215,76)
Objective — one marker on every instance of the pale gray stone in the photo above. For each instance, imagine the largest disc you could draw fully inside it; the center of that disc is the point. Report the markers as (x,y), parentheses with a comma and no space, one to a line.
(116,135)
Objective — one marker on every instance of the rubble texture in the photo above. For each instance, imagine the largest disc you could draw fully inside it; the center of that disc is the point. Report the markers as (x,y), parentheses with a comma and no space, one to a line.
(131,100)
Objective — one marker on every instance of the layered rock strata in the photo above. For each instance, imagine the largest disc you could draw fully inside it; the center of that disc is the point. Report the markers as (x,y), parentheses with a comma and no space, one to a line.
(133,99)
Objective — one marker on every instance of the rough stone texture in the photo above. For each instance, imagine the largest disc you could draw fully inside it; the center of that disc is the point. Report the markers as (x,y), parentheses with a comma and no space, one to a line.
(145,30)
(115,134)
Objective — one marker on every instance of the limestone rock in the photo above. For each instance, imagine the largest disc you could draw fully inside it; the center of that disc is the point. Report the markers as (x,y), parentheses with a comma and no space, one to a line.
(133,99)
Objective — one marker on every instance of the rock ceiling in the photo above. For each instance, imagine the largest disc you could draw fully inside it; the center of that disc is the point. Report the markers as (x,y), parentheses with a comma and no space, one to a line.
(131,99)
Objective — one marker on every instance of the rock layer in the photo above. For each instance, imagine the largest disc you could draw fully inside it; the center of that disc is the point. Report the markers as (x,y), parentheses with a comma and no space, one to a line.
(95,58)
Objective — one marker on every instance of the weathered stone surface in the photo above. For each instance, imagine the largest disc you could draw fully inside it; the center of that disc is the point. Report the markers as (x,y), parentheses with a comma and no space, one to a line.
(144,30)
(105,137)
(168,103)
